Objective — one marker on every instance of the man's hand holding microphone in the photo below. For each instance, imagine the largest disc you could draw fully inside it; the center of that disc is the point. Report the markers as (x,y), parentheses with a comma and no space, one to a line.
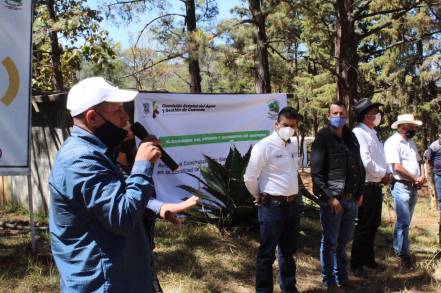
(150,150)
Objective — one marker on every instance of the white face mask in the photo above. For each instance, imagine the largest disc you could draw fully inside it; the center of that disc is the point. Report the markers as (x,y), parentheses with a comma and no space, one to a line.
(377,120)
(285,133)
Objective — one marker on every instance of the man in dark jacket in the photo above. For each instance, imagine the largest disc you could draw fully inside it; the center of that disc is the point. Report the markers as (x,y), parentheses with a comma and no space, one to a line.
(338,176)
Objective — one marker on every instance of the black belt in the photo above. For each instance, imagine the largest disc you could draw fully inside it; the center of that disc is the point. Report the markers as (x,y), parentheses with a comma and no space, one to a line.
(345,196)
(405,182)
(265,197)
(372,183)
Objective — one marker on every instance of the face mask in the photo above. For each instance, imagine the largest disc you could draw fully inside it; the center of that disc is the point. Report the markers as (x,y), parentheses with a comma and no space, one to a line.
(285,133)
(377,120)
(337,121)
(410,133)
(110,134)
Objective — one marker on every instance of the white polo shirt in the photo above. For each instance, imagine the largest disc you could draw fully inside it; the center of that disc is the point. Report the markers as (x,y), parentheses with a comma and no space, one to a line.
(371,152)
(272,167)
(404,152)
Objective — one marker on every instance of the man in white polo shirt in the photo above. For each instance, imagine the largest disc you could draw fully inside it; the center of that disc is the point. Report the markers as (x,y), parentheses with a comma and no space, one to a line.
(403,157)
(272,178)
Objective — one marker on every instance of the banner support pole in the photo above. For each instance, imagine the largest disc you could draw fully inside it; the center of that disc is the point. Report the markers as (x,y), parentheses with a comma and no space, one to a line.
(31,215)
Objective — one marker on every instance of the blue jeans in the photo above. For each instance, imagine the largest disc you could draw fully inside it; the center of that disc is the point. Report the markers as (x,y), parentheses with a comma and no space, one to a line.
(337,231)
(279,225)
(405,198)
(437,179)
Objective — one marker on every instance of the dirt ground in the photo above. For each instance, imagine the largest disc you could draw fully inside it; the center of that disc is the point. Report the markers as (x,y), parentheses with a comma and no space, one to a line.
(198,258)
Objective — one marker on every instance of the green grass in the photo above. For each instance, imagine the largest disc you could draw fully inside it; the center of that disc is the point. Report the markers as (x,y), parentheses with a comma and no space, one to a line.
(198,258)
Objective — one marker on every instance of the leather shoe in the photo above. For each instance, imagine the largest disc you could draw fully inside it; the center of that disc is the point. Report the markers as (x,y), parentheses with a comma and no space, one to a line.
(333,288)
(375,266)
(406,264)
(348,286)
(359,272)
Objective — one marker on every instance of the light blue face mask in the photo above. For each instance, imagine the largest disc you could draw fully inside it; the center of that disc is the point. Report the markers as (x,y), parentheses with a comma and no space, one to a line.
(337,121)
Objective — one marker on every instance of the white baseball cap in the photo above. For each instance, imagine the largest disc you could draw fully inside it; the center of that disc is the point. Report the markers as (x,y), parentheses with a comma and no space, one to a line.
(93,91)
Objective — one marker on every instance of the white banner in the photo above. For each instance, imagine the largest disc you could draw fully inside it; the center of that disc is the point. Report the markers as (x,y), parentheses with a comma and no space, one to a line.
(15,65)
(190,125)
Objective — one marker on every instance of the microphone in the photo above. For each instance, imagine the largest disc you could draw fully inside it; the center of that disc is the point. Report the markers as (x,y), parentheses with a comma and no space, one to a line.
(142,133)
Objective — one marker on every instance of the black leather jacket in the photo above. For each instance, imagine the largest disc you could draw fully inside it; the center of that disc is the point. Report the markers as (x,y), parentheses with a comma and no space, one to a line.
(329,163)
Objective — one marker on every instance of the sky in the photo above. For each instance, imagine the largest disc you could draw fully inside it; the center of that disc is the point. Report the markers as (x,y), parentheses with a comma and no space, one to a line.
(122,33)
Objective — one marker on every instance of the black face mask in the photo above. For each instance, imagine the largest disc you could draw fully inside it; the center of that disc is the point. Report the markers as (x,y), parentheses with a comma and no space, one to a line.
(110,134)
(410,133)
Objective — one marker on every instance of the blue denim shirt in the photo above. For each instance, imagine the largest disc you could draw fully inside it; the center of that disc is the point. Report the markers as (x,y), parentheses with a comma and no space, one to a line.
(98,240)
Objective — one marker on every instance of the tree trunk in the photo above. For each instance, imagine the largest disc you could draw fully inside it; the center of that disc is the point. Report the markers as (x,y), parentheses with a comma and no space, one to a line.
(346,43)
(263,80)
(193,47)
(55,46)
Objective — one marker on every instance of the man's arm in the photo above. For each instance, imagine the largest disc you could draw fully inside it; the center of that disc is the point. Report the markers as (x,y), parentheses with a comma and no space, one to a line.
(318,172)
(404,173)
(319,167)
(359,193)
(392,153)
(366,156)
(253,170)
(118,206)
(305,191)
(168,211)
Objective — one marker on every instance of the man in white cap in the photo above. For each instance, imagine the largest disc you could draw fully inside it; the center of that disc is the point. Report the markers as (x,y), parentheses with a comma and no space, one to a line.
(98,240)
(403,158)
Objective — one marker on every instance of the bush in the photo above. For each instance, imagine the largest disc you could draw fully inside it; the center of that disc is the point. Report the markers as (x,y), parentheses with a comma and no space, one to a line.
(225,200)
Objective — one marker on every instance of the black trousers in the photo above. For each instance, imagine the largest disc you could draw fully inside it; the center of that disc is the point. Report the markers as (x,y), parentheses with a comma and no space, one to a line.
(369,219)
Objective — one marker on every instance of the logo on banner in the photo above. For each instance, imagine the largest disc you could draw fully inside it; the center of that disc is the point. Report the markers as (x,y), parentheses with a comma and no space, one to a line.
(155,109)
(14,81)
(273,109)
(13,4)
(147,109)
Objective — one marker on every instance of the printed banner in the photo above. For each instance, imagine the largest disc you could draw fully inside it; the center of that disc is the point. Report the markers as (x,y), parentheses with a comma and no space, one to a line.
(15,65)
(192,125)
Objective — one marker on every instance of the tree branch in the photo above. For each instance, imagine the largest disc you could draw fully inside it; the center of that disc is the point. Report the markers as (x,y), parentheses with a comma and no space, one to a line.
(362,8)
(173,56)
(274,50)
(153,20)
(401,9)
(381,51)
(123,2)
(181,78)
(324,64)
(387,23)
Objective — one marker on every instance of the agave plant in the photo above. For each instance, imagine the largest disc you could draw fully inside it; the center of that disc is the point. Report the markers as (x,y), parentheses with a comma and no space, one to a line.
(225,199)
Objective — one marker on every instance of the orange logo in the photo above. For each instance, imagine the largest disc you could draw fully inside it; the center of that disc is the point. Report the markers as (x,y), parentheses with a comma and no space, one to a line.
(14,81)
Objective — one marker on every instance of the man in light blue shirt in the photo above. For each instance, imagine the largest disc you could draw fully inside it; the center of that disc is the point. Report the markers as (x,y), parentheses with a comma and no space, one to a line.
(97,236)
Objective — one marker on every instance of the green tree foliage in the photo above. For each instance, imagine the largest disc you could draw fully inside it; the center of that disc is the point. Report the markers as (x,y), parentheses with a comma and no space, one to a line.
(67,34)
(175,34)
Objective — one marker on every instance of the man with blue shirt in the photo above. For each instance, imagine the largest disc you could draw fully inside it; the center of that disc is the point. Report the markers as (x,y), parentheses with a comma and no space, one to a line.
(98,240)
(434,158)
